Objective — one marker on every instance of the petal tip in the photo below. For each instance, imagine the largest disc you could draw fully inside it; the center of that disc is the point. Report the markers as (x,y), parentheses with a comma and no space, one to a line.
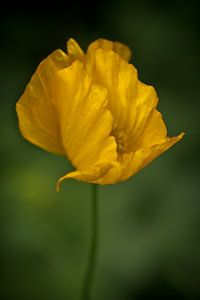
(58,186)
(67,176)
(180,136)
(59,183)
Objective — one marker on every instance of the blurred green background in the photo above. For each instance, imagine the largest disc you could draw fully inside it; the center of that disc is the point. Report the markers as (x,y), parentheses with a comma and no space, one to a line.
(149,225)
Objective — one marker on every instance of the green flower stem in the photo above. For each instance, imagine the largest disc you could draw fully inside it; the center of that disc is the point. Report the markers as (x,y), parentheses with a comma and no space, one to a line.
(87,287)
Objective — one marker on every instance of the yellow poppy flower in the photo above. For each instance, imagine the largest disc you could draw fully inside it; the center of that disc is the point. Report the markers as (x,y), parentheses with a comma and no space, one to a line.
(93,109)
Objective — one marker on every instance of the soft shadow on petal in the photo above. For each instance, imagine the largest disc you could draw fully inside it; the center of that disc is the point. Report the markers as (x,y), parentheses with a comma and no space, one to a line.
(121,81)
(37,118)
(91,175)
(143,156)
(85,121)
(131,163)
(155,131)
(158,149)
(143,105)
(130,101)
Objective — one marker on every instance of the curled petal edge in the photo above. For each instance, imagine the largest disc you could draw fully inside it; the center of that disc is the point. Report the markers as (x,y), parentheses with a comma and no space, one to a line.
(91,175)
(131,163)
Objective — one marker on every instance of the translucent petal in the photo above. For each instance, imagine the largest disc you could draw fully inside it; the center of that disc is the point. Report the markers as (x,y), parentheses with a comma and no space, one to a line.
(37,119)
(93,109)
(85,121)
(131,163)
(146,117)
(155,131)
(130,101)
(119,78)
(122,50)
(91,175)
(143,156)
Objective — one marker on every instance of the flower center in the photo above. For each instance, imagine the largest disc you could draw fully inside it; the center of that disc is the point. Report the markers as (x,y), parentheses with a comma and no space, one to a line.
(120,138)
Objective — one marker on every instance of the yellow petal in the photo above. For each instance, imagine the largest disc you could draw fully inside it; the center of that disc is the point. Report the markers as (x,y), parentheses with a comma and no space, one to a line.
(155,131)
(143,106)
(37,118)
(144,156)
(74,51)
(85,121)
(91,175)
(131,163)
(119,78)
(122,50)
(130,101)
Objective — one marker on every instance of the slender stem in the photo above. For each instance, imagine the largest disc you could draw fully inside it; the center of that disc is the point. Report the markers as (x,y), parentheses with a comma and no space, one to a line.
(89,276)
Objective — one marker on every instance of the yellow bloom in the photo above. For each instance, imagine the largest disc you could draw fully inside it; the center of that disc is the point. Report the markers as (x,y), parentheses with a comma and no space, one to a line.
(93,109)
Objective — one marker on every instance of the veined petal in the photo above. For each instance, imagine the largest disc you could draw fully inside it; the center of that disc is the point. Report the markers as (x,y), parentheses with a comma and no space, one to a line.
(85,121)
(37,118)
(74,51)
(155,131)
(93,109)
(130,101)
(119,78)
(144,105)
(131,163)
(122,50)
